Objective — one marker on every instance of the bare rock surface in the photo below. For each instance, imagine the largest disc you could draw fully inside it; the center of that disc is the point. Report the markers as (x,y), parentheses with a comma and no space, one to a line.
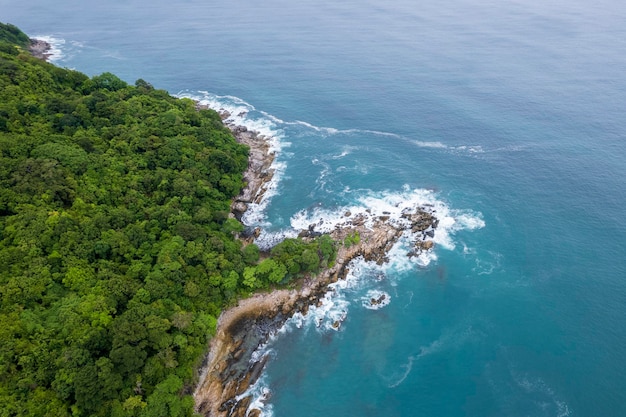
(259,171)
(39,49)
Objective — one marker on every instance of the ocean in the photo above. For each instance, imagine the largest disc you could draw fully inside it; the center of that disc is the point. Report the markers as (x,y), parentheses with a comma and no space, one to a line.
(508,117)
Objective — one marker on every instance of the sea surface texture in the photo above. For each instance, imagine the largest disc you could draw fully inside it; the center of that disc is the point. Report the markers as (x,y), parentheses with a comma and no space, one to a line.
(509,117)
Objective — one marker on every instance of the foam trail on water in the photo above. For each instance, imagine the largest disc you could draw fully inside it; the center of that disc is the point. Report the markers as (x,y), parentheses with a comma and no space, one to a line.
(434,347)
(268,124)
(538,388)
(434,145)
(407,370)
(347,150)
(451,339)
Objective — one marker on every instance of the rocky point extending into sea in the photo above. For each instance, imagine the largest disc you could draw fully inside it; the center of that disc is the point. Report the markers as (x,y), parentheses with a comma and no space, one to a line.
(40,49)
(229,370)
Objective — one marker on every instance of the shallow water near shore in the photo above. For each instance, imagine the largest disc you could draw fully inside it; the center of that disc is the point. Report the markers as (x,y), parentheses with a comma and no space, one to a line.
(509,116)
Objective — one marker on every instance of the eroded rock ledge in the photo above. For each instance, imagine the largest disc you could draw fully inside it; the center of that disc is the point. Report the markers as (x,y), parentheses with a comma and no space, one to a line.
(40,49)
(230,370)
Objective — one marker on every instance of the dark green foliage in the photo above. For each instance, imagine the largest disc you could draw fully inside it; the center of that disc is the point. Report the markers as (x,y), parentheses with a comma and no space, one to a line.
(12,35)
(290,259)
(352,239)
(251,254)
(113,216)
(106,81)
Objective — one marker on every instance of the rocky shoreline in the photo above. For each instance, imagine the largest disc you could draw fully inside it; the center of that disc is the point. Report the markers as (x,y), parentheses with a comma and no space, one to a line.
(40,49)
(230,371)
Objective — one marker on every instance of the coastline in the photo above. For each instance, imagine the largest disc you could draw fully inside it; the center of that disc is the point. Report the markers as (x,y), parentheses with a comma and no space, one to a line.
(229,370)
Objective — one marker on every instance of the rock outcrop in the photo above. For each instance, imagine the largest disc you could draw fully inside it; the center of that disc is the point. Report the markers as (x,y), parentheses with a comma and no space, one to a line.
(39,49)
(259,172)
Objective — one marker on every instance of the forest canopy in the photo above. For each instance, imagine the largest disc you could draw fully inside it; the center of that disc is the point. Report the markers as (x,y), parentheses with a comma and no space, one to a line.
(117,252)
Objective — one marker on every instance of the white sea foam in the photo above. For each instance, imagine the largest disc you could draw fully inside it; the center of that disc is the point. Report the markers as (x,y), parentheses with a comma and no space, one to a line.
(434,347)
(460,149)
(260,394)
(255,214)
(426,144)
(562,409)
(325,130)
(469,149)
(410,300)
(331,131)
(326,171)
(345,151)
(268,239)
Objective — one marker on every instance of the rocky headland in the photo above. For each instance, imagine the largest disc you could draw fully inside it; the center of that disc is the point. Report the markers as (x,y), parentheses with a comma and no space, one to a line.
(40,49)
(229,370)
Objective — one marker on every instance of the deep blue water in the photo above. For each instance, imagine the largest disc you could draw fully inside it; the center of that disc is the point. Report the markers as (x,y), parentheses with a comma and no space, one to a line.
(512,114)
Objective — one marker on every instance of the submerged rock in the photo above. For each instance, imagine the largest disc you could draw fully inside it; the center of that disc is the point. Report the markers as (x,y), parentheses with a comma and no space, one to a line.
(377,301)
(423,245)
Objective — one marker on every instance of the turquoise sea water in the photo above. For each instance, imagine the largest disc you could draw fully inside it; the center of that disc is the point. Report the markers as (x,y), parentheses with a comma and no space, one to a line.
(509,117)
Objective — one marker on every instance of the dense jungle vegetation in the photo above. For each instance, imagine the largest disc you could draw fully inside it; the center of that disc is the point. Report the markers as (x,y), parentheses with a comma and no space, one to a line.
(117,252)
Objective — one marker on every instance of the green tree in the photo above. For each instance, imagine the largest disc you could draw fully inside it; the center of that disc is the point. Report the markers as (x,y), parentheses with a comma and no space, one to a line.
(167,400)
(249,277)
(251,254)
